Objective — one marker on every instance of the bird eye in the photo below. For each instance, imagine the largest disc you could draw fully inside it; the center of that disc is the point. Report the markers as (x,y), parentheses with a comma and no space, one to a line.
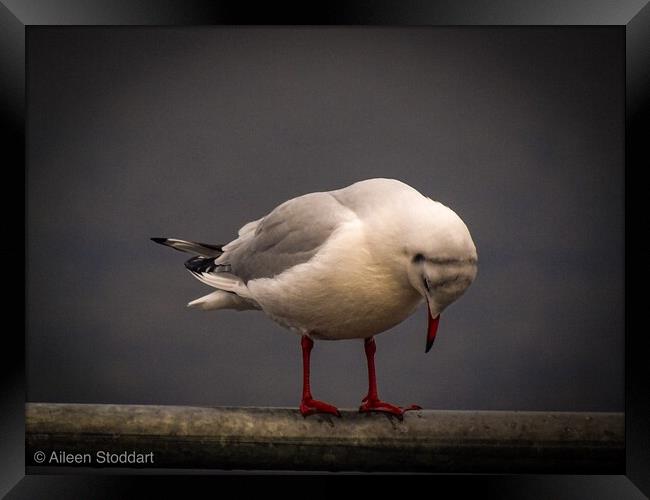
(418,257)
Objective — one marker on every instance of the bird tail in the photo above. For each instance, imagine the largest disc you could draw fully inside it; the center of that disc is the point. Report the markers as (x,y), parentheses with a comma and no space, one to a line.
(204,267)
(220,299)
(202,249)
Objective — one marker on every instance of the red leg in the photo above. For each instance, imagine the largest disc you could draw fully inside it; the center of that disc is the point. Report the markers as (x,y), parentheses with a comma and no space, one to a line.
(372,402)
(309,405)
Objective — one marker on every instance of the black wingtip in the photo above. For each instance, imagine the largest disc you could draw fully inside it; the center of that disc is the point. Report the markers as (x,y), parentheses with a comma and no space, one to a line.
(162,241)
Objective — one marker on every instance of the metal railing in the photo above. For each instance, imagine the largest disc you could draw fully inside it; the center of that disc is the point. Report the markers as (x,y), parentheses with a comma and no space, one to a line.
(109,435)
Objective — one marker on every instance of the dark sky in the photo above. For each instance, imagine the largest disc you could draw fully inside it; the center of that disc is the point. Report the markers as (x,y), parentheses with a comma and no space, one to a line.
(191,133)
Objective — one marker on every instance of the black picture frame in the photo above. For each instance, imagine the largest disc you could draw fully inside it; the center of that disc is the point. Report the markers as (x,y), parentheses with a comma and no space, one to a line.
(17,15)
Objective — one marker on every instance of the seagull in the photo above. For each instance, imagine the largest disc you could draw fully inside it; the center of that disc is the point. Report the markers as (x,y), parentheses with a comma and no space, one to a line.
(344,264)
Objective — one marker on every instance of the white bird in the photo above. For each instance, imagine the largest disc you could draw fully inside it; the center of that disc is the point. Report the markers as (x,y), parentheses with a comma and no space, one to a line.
(343,264)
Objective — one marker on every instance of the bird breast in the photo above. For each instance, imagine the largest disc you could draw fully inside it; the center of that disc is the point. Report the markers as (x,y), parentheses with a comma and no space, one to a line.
(343,292)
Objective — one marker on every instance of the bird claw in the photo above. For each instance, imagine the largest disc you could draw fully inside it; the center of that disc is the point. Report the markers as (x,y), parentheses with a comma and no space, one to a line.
(312,406)
(376,405)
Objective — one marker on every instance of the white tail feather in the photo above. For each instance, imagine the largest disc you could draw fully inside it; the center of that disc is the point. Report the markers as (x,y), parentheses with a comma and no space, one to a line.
(221,300)
(225,281)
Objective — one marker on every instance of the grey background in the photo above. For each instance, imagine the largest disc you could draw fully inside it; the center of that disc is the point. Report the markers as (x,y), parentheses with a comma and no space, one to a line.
(191,133)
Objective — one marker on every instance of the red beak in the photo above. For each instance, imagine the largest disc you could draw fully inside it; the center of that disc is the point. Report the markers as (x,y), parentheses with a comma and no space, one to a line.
(432,330)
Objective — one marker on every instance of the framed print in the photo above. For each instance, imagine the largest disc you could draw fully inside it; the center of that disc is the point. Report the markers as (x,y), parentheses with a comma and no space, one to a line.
(364,174)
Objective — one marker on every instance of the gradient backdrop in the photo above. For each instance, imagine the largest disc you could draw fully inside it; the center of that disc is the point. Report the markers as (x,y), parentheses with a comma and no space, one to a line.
(190,133)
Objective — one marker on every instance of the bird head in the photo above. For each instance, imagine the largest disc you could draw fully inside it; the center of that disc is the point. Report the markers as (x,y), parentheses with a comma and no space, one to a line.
(442,261)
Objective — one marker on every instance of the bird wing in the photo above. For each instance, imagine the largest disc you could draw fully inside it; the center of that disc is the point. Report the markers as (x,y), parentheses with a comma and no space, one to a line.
(290,235)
